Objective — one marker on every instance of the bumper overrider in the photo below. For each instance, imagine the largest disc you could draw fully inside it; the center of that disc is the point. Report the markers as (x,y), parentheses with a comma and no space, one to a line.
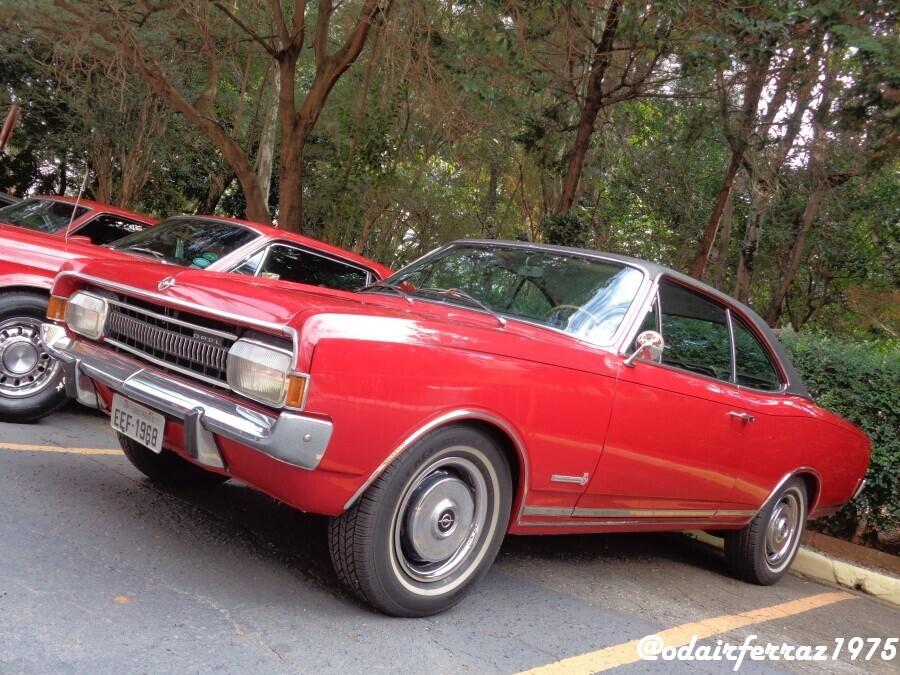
(296,439)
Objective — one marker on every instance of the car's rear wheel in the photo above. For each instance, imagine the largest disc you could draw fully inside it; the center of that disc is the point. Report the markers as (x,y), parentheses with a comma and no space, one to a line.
(429,527)
(762,552)
(31,381)
(167,468)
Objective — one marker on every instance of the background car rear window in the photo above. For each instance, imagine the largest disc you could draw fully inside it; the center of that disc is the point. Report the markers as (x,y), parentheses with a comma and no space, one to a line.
(42,215)
(289,263)
(106,229)
(695,331)
(754,367)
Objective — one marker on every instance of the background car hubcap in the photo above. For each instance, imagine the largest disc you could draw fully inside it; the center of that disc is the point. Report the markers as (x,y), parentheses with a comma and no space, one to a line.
(783,529)
(25,368)
(440,519)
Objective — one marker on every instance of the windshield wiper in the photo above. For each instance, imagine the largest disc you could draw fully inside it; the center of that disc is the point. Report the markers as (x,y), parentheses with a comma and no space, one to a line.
(463,295)
(147,251)
(390,287)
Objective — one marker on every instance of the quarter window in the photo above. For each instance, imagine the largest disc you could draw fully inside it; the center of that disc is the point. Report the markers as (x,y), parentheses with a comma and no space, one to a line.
(754,366)
(695,331)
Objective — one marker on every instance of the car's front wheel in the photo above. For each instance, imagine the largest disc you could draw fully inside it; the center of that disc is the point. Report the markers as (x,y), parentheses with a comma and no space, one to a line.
(429,527)
(762,552)
(31,381)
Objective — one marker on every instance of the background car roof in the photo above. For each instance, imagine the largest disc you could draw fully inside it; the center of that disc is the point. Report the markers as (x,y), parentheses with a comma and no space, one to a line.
(98,206)
(275,233)
(795,384)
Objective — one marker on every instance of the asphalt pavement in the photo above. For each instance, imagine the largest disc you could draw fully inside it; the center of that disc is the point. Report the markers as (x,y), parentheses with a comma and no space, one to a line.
(103,572)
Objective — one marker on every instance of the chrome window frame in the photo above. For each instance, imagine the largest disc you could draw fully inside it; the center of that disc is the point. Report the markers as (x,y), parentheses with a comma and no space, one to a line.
(647,304)
(272,241)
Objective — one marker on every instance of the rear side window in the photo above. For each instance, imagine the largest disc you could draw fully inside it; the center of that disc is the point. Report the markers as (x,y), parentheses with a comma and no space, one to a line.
(303,267)
(108,228)
(695,331)
(754,366)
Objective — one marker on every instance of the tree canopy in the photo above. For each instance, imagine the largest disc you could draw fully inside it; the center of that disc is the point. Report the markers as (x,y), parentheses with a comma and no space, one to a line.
(753,145)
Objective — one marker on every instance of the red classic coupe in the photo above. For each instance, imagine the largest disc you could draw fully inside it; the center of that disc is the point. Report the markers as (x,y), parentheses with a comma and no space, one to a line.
(488,388)
(33,249)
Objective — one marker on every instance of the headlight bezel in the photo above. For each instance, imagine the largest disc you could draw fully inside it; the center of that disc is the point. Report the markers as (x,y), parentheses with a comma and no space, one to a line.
(249,354)
(76,302)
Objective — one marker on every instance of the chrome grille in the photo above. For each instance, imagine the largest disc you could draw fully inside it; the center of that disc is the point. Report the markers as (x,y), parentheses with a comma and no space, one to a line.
(174,342)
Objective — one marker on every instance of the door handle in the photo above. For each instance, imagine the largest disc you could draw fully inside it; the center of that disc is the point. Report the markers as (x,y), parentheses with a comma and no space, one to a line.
(742,416)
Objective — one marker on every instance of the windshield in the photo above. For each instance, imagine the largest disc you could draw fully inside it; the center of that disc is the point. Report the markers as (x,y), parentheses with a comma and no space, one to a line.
(188,242)
(43,215)
(580,295)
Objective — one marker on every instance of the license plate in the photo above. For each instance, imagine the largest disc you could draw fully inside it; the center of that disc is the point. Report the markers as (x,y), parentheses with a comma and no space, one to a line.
(137,422)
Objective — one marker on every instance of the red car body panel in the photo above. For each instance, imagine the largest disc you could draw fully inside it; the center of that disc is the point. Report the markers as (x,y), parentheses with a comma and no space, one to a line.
(649,447)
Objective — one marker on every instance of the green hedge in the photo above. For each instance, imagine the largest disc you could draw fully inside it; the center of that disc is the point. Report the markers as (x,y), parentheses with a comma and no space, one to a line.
(860,382)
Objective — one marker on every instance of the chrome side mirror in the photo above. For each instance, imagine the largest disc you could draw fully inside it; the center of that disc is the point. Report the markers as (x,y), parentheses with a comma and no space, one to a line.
(649,342)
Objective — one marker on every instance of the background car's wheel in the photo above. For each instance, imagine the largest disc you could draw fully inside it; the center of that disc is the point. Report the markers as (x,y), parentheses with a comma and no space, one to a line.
(429,527)
(762,552)
(167,468)
(31,382)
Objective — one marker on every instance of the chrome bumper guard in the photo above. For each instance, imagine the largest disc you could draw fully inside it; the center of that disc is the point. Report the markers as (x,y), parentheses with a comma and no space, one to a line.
(291,438)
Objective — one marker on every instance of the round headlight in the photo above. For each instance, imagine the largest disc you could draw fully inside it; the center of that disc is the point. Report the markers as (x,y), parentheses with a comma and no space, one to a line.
(86,314)
(259,371)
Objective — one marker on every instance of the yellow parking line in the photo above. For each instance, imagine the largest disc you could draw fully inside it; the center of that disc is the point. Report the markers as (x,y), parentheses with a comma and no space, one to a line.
(625,653)
(18,447)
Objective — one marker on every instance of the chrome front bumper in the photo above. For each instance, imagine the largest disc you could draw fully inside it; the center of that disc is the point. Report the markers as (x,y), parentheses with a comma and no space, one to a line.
(289,437)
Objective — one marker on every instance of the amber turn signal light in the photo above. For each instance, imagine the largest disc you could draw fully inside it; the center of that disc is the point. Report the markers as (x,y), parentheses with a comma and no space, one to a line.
(296,392)
(56,308)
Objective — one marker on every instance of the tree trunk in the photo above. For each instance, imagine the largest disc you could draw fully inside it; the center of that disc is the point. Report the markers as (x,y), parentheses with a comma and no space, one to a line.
(592,105)
(756,79)
(727,222)
(715,217)
(489,205)
(265,156)
(218,183)
(789,271)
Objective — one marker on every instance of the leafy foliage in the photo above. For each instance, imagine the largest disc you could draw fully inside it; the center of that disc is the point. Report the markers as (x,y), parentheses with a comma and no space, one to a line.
(860,382)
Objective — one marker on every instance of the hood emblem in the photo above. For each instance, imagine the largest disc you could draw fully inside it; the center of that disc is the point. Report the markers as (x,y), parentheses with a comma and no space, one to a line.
(166,283)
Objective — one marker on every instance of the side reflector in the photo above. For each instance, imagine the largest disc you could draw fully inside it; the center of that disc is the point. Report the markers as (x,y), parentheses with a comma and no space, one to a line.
(296,391)
(56,308)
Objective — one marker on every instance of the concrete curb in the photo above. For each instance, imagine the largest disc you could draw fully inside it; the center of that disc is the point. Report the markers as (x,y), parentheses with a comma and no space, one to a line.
(815,565)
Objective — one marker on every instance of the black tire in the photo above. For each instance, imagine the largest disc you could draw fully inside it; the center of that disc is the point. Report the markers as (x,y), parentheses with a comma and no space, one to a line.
(750,554)
(19,307)
(370,543)
(167,468)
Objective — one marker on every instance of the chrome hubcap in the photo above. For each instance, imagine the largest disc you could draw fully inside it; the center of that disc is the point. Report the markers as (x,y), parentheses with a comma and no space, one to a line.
(25,368)
(783,529)
(440,519)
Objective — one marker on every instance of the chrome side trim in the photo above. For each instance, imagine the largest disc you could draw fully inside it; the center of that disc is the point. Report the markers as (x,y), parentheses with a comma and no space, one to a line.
(862,485)
(576,480)
(564,512)
(547,511)
(453,416)
(644,513)
(615,523)
(240,320)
